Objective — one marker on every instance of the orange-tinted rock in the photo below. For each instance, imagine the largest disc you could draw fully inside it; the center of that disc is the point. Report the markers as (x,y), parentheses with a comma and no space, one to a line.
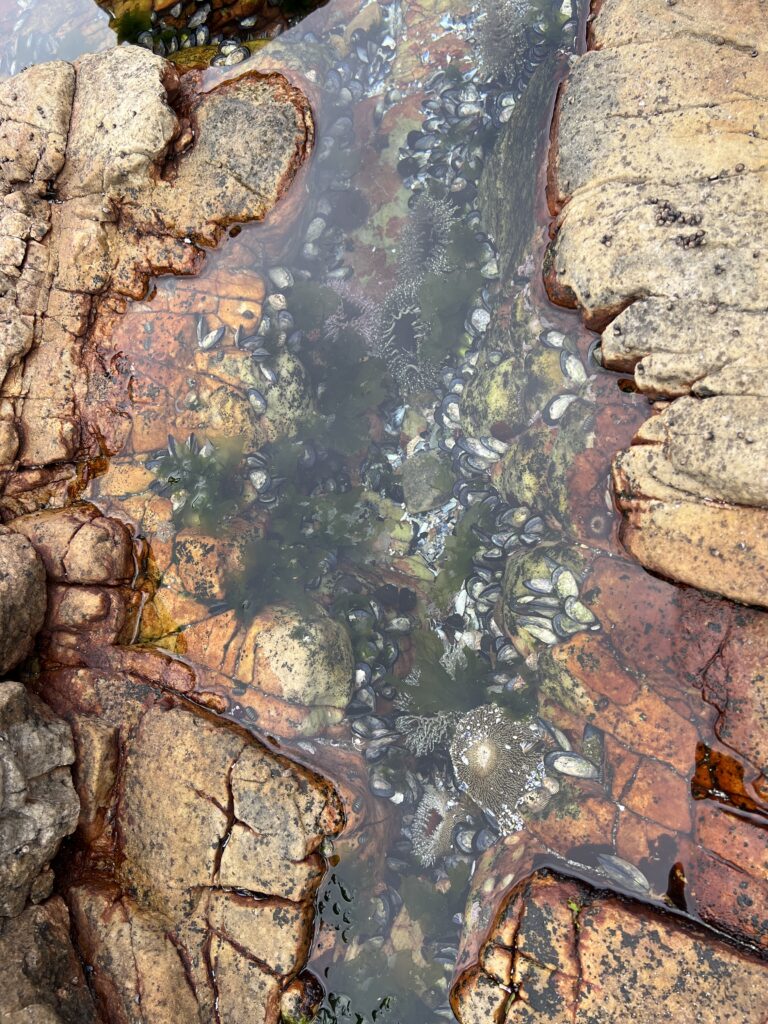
(586,957)
(79,545)
(729,897)
(661,795)
(731,838)
(736,682)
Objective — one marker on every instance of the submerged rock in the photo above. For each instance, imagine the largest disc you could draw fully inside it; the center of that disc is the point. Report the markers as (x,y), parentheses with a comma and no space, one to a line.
(427,481)
(302,657)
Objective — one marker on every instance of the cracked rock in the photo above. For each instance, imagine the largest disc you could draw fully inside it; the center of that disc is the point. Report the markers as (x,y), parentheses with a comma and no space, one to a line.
(143,166)
(198,856)
(573,955)
(658,177)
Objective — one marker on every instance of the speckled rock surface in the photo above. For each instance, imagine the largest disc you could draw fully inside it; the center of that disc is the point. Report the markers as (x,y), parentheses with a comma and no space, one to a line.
(565,953)
(42,979)
(22,598)
(658,177)
(38,804)
(197,847)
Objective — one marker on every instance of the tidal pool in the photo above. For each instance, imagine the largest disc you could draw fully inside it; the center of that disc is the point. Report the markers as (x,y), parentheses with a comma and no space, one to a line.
(365,423)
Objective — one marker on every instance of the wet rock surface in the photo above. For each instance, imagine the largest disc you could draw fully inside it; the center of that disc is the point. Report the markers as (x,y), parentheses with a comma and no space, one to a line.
(564,952)
(121,215)
(659,176)
(259,566)
(196,887)
(191,876)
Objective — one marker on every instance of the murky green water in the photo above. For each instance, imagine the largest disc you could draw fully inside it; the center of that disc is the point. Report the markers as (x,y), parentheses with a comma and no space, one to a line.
(414,409)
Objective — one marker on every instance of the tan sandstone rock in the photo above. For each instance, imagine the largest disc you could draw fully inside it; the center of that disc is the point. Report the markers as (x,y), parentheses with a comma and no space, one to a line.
(659,177)
(196,844)
(141,167)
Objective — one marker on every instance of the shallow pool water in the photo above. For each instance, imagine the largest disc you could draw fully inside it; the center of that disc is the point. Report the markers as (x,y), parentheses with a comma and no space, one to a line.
(367,407)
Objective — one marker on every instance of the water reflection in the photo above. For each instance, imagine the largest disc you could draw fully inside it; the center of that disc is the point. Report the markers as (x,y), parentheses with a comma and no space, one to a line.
(33,31)
(362,445)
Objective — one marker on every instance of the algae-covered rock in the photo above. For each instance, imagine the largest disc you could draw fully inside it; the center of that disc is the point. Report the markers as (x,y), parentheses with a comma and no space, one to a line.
(305,658)
(491,401)
(508,187)
(427,481)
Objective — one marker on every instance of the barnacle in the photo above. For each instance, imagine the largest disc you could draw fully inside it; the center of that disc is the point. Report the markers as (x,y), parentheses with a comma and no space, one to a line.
(433,823)
(424,242)
(496,760)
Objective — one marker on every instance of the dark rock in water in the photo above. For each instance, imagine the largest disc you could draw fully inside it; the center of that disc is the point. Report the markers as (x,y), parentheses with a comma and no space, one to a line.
(508,192)
(22,598)
(427,481)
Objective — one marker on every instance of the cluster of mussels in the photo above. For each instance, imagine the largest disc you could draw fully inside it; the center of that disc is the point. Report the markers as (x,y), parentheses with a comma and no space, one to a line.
(190,23)
(440,164)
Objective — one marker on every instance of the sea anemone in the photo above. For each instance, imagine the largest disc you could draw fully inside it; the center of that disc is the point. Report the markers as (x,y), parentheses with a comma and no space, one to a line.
(401,345)
(496,760)
(356,312)
(424,242)
(499,30)
(433,823)
(424,733)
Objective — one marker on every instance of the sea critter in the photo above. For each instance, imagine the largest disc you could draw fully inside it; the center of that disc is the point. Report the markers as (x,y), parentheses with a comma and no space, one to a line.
(433,823)
(499,30)
(424,242)
(569,763)
(496,760)
(357,313)
(623,873)
(201,480)
(401,342)
(424,733)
